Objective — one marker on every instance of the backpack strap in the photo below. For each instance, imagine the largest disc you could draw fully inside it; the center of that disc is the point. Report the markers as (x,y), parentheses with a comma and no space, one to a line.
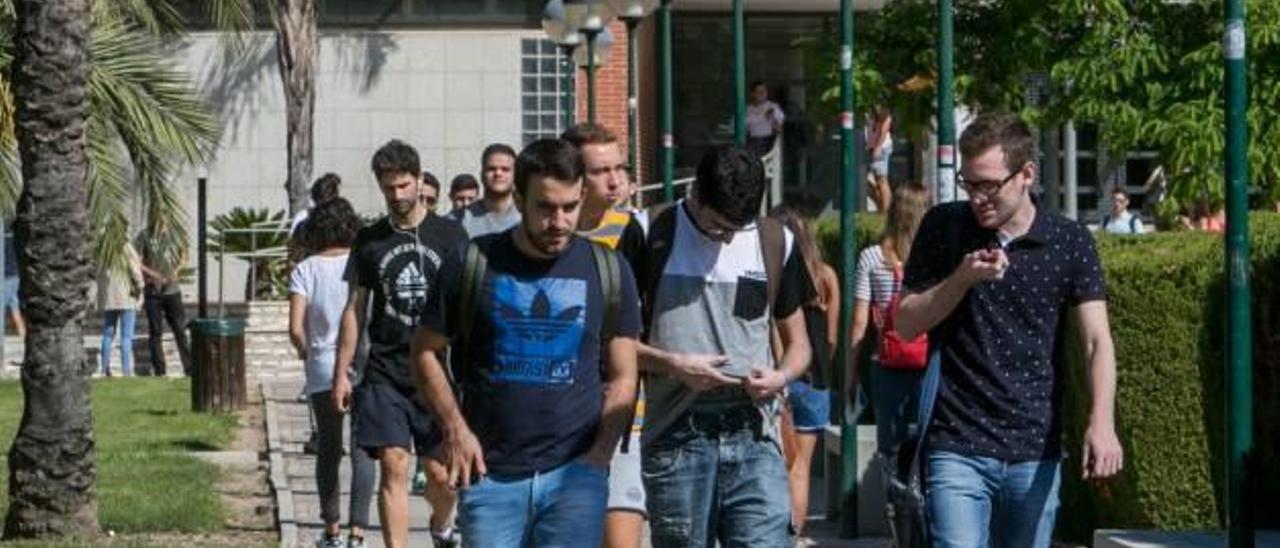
(773,248)
(1133,224)
(473,270)
(661,239)
(608,270)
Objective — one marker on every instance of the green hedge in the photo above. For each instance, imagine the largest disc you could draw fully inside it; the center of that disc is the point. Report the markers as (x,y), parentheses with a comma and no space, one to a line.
(1166,305)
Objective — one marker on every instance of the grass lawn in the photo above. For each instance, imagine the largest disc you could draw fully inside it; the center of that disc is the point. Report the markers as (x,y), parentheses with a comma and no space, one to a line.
(146,482)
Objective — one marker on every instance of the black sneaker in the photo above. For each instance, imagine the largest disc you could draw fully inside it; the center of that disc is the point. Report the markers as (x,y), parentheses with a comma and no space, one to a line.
(311,447)
(449,538)
(326,541)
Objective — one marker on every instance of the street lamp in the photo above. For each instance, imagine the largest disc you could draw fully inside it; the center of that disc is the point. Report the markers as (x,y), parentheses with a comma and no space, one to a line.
(591,18)
(590,58)
(632,12)
(567,38)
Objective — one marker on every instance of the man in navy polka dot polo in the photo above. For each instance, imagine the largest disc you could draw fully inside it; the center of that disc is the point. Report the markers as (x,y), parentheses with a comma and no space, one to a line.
(993,285)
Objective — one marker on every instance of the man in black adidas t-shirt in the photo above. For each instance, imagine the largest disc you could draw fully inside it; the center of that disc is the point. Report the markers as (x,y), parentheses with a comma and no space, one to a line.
(393,271)
(545,359)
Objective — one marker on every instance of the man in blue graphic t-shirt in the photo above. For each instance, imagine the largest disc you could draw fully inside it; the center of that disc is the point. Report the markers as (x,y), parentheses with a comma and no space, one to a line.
(546,390)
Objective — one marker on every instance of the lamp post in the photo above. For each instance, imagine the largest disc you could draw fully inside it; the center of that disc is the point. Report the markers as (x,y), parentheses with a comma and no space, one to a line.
(848,501)
(1239,320)
(591,18)
(666,145)
(567,38)
(632,12)
(946,104)
(590,58)
(739,75)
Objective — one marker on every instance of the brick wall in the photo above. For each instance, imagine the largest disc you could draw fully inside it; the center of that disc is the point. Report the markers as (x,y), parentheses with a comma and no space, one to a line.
(611,89)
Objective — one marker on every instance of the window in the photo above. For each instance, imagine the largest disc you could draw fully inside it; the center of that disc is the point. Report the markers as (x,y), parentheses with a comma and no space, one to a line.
(541,89)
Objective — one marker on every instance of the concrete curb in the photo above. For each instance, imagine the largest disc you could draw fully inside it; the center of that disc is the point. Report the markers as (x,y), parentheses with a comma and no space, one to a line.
(279,477)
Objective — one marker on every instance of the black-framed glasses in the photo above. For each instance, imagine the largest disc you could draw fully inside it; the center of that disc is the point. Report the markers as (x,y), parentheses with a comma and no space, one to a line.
(988,187)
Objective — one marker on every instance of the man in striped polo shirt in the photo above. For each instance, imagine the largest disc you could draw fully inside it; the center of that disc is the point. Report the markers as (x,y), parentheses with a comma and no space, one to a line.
(607,184)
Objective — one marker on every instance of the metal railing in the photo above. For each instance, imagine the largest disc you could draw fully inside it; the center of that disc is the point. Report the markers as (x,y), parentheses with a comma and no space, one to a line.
(772,172)
(253,256)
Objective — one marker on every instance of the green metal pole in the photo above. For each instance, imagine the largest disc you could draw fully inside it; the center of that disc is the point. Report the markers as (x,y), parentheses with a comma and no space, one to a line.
(632,95)
(591,76)
(567,73)
(666,148)
(1239,323)
(848,505)
(739,74)
(946,104)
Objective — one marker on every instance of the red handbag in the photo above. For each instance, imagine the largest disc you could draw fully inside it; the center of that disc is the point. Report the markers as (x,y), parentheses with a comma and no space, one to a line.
(895,351)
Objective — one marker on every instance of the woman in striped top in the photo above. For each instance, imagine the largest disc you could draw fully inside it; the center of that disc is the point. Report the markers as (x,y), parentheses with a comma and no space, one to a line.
(878,280)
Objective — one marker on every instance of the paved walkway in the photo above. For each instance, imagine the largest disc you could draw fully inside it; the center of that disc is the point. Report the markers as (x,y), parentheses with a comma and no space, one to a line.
(293,477)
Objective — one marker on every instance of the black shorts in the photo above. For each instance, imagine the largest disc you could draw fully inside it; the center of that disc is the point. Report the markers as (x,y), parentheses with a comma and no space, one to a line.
(385,416)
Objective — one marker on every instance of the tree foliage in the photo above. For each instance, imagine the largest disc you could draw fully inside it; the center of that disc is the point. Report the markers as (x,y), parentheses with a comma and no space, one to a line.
(146,122)
(1148,73)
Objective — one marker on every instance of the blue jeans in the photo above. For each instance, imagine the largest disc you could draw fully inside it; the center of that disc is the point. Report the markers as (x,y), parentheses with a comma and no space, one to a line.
(708,484)
(561,507)
(126,319)
(895,395)
(971,497)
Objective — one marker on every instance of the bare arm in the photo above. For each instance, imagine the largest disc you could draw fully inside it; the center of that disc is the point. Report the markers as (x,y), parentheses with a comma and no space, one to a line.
(1103,455)
(796,355)
(833,309)
(461,450)
(297,323)
(697,371)
(922,311)
(619,400)
(857,335)
(348,339)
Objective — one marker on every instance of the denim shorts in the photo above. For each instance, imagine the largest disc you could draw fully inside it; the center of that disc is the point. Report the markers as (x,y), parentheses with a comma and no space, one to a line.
(11,293)
(810,408)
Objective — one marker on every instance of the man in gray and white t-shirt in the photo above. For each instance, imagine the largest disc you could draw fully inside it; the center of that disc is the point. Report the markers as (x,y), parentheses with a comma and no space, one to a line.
(712,459)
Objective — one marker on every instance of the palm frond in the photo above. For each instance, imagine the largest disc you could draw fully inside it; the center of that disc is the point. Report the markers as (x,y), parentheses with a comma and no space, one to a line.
(157,17)
(231,15)
(145,98)
(151,111)
(108,197)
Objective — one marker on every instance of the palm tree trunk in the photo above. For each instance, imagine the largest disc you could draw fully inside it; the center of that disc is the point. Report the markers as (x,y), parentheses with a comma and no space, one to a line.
(296,49)
(51,463)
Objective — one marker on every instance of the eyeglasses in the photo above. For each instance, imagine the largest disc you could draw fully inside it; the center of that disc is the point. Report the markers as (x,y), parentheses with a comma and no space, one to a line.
(986,188)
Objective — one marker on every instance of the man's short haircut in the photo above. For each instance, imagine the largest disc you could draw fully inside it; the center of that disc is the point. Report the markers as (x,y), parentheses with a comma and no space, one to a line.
(495,148)
(730,180)
(463,182)
(430,180)
(1002,129)
(553,158)
(1117,189)
(331,224)
(325,188)
(394,158)
(755,84)
(588,133)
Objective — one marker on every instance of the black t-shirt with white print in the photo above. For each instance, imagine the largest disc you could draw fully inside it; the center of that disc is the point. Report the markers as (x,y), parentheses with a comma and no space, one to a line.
(400,271)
